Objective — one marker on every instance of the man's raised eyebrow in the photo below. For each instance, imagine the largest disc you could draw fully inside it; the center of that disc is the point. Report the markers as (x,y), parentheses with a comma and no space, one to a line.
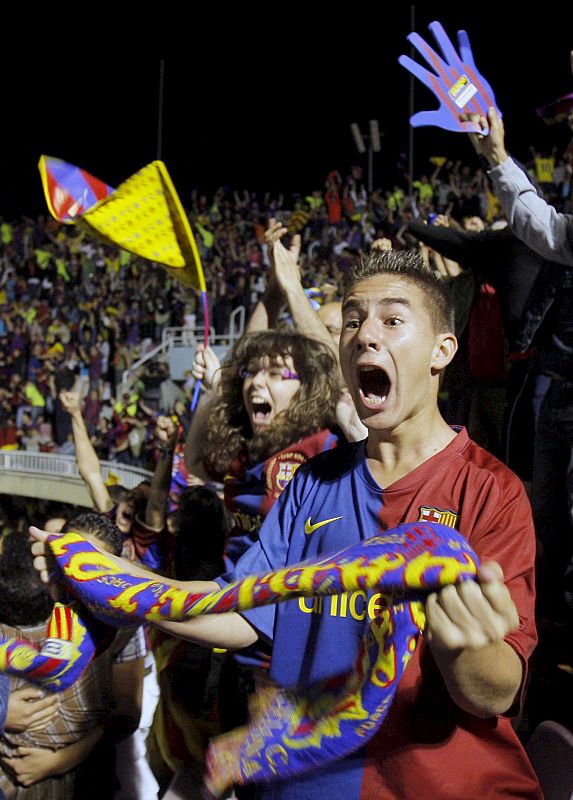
(391,301)
(352,303)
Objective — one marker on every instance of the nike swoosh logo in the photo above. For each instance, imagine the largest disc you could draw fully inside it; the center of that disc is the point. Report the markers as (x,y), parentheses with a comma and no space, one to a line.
(310,528)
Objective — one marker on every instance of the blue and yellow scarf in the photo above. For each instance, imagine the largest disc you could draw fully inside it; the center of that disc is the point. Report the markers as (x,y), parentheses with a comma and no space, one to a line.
(290,732)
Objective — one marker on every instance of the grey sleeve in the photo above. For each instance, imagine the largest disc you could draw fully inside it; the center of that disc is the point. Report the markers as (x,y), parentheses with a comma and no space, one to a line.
(536,223)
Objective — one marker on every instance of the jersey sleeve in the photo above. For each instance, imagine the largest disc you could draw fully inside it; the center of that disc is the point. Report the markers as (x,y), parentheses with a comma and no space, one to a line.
(508,537)
(269,552)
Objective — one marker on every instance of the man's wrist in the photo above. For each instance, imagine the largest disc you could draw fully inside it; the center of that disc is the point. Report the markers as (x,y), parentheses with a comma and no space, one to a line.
(272,287)
(57,763)
(293,290)
(497,158)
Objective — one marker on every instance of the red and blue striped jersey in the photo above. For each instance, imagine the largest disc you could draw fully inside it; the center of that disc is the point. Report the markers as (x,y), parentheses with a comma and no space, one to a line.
(427,746)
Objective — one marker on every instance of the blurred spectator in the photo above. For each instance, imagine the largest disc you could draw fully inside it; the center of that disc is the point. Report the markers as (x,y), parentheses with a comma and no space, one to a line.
(39,761)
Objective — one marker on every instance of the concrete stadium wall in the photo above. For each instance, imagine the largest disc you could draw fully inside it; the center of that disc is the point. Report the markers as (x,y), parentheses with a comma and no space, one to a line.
(49,476)
(46,487)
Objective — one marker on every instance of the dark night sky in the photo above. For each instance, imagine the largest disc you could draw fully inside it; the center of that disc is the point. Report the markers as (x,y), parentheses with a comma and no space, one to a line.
(269,106)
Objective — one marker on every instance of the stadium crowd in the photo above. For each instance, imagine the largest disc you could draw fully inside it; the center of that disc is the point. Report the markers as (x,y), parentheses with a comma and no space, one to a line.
(76,314)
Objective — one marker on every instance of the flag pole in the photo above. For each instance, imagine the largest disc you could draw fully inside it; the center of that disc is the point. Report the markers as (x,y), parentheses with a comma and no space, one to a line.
(160,109)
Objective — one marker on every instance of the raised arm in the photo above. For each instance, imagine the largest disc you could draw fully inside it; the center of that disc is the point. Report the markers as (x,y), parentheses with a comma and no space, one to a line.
(456,245)
(206,368)
(287,274)
(285,286)
(86,456)
(155,510)
(445,266)
(535,222)
(267,310)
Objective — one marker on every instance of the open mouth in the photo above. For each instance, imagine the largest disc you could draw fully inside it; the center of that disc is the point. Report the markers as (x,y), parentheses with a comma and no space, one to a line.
(260,411)
(374,385)
(125,516)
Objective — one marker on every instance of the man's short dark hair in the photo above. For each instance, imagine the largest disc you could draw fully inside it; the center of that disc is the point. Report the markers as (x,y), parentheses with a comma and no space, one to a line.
(98,526)
(410,265)
(24,599)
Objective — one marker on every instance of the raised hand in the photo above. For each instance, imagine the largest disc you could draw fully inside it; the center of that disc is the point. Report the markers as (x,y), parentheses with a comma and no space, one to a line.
(166,432)
(455,81)
(287,272)
(383,244)
(206,367)
(273,235)
(492,147)
(70,402)
(442,220)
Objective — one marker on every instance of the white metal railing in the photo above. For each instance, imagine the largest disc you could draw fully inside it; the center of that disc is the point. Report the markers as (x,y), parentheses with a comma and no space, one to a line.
(150,354)
(186,337)
(237,323)
(52,464)
(190,337)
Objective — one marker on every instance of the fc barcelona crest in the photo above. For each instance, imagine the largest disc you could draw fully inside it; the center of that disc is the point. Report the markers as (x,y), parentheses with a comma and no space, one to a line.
(281,469)
(433,514)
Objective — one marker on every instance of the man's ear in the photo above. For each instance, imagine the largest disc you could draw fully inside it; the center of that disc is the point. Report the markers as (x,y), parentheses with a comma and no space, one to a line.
(445,348)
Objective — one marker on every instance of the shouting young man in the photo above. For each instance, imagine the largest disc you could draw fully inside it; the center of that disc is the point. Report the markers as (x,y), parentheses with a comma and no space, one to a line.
(448,733)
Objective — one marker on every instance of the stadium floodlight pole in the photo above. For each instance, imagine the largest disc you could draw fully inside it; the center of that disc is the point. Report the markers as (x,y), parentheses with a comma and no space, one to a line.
(358,139)
(373,139)
(411,104)
(160,110)
(373,147)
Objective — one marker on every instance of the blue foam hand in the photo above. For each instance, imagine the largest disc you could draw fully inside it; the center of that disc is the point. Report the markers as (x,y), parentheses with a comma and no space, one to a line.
(455,80)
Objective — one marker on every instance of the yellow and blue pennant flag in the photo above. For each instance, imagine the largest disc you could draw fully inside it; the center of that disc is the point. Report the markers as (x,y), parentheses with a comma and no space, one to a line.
(144,216)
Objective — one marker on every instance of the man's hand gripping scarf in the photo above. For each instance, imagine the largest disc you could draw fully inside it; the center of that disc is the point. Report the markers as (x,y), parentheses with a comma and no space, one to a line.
(291,732)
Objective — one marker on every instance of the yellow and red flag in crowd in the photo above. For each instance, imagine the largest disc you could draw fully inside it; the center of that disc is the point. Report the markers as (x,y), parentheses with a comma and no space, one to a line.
(143,215)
